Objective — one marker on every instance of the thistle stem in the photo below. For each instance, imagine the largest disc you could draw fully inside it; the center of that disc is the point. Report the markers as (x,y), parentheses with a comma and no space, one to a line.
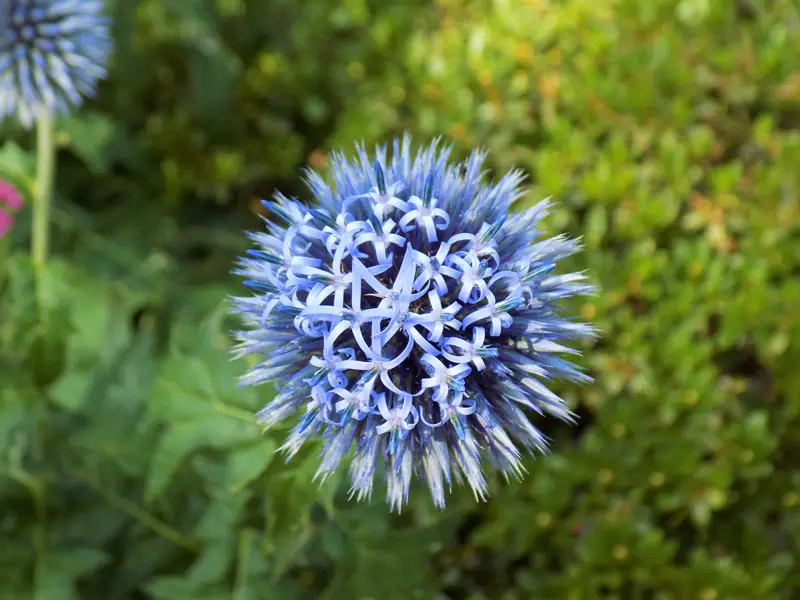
(43,191)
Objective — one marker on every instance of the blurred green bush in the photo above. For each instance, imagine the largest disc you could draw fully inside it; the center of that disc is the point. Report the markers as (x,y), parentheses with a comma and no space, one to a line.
(130,466)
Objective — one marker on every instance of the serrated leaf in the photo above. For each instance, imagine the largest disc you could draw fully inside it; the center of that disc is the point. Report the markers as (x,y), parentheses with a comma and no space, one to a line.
(248,462)
(99,317)
(193,400)
(58,572)
(176,444)
(222,516)
(214,562)
(214,430)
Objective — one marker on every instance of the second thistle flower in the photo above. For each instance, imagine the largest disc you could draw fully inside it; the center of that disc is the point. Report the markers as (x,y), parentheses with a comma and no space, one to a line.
(52,52)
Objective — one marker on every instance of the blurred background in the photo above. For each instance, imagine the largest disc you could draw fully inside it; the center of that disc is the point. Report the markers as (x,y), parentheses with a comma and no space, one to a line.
(130,464)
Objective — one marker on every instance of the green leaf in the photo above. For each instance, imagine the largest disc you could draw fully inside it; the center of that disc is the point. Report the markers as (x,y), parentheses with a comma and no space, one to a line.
(17,166)
(89,137)
(15,417)
(176,588)
(172,449)
(143,558)
(195,399)
(222,515)
(59,571)
(213,430)
(70,391)
(47,354)
(214,562)
(248,462)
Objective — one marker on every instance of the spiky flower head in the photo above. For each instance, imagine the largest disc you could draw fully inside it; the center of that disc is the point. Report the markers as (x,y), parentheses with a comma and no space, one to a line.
(52,52)
(411,318)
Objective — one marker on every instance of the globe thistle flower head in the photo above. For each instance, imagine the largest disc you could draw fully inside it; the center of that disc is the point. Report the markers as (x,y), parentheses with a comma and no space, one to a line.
(52,52)
(410,318)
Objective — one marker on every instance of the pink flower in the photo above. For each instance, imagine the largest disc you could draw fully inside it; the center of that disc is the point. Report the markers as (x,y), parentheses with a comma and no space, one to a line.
(11,199)
(5,222)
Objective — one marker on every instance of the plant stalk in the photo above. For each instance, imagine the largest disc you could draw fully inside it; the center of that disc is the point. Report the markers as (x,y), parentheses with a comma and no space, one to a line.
(43,191)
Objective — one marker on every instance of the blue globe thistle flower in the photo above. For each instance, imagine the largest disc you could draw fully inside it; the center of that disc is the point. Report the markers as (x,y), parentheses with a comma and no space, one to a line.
(52,52)
(411,319)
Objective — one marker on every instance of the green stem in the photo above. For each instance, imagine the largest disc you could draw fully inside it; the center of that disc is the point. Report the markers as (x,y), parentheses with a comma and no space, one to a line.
(45,163)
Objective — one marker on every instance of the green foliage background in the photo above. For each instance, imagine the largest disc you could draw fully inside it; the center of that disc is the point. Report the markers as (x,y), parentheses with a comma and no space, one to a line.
(130,465)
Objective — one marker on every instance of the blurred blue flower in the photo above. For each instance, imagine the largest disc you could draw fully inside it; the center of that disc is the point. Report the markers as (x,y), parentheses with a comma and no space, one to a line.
(52,52)
(413,317)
